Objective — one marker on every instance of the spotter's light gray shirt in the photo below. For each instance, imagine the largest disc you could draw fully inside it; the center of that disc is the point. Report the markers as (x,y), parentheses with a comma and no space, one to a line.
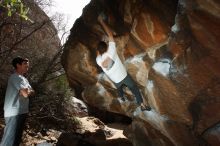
(14,103)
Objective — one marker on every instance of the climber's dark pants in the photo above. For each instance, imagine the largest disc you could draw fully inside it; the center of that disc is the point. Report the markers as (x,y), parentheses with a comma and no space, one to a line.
(129,82)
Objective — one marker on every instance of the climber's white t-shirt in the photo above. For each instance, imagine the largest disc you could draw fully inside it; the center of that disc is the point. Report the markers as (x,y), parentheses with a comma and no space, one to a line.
(115,70)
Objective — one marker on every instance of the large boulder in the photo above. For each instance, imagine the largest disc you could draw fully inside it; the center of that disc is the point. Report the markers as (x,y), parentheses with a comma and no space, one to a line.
(170,48)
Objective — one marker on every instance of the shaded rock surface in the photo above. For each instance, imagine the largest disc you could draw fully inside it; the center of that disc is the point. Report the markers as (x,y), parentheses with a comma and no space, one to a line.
(170,48)
(75,107)
(93,132)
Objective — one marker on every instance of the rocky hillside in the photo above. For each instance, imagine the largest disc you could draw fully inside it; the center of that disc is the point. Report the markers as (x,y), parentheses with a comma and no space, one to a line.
(171,50)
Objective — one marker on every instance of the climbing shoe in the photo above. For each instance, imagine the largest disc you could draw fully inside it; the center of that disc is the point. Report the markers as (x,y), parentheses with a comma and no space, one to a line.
(144,107)
(123,99)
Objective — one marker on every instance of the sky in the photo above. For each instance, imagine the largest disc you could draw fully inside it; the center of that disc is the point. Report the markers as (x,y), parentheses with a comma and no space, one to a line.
(71,9)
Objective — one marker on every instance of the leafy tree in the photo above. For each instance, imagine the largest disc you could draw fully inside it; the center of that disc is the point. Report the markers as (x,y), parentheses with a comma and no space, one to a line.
(37,41)
(15,7)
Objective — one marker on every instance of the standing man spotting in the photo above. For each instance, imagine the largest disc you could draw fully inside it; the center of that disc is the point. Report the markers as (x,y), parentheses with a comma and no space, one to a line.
(108,59)
(16,104)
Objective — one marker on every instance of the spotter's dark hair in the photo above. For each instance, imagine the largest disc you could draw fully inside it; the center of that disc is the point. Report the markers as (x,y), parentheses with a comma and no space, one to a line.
(18,60)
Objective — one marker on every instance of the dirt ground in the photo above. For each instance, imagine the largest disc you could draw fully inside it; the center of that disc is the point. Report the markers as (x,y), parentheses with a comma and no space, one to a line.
(49,133)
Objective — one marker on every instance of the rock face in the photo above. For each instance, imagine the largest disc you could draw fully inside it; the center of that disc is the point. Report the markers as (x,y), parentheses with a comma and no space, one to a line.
(75,107)
(92,132)
(170,48)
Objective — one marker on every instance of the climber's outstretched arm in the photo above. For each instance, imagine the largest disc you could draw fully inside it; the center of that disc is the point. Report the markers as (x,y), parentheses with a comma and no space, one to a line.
(106,28)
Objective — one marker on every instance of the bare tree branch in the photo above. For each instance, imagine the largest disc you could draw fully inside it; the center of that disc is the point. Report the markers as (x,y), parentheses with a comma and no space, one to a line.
(20,41)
